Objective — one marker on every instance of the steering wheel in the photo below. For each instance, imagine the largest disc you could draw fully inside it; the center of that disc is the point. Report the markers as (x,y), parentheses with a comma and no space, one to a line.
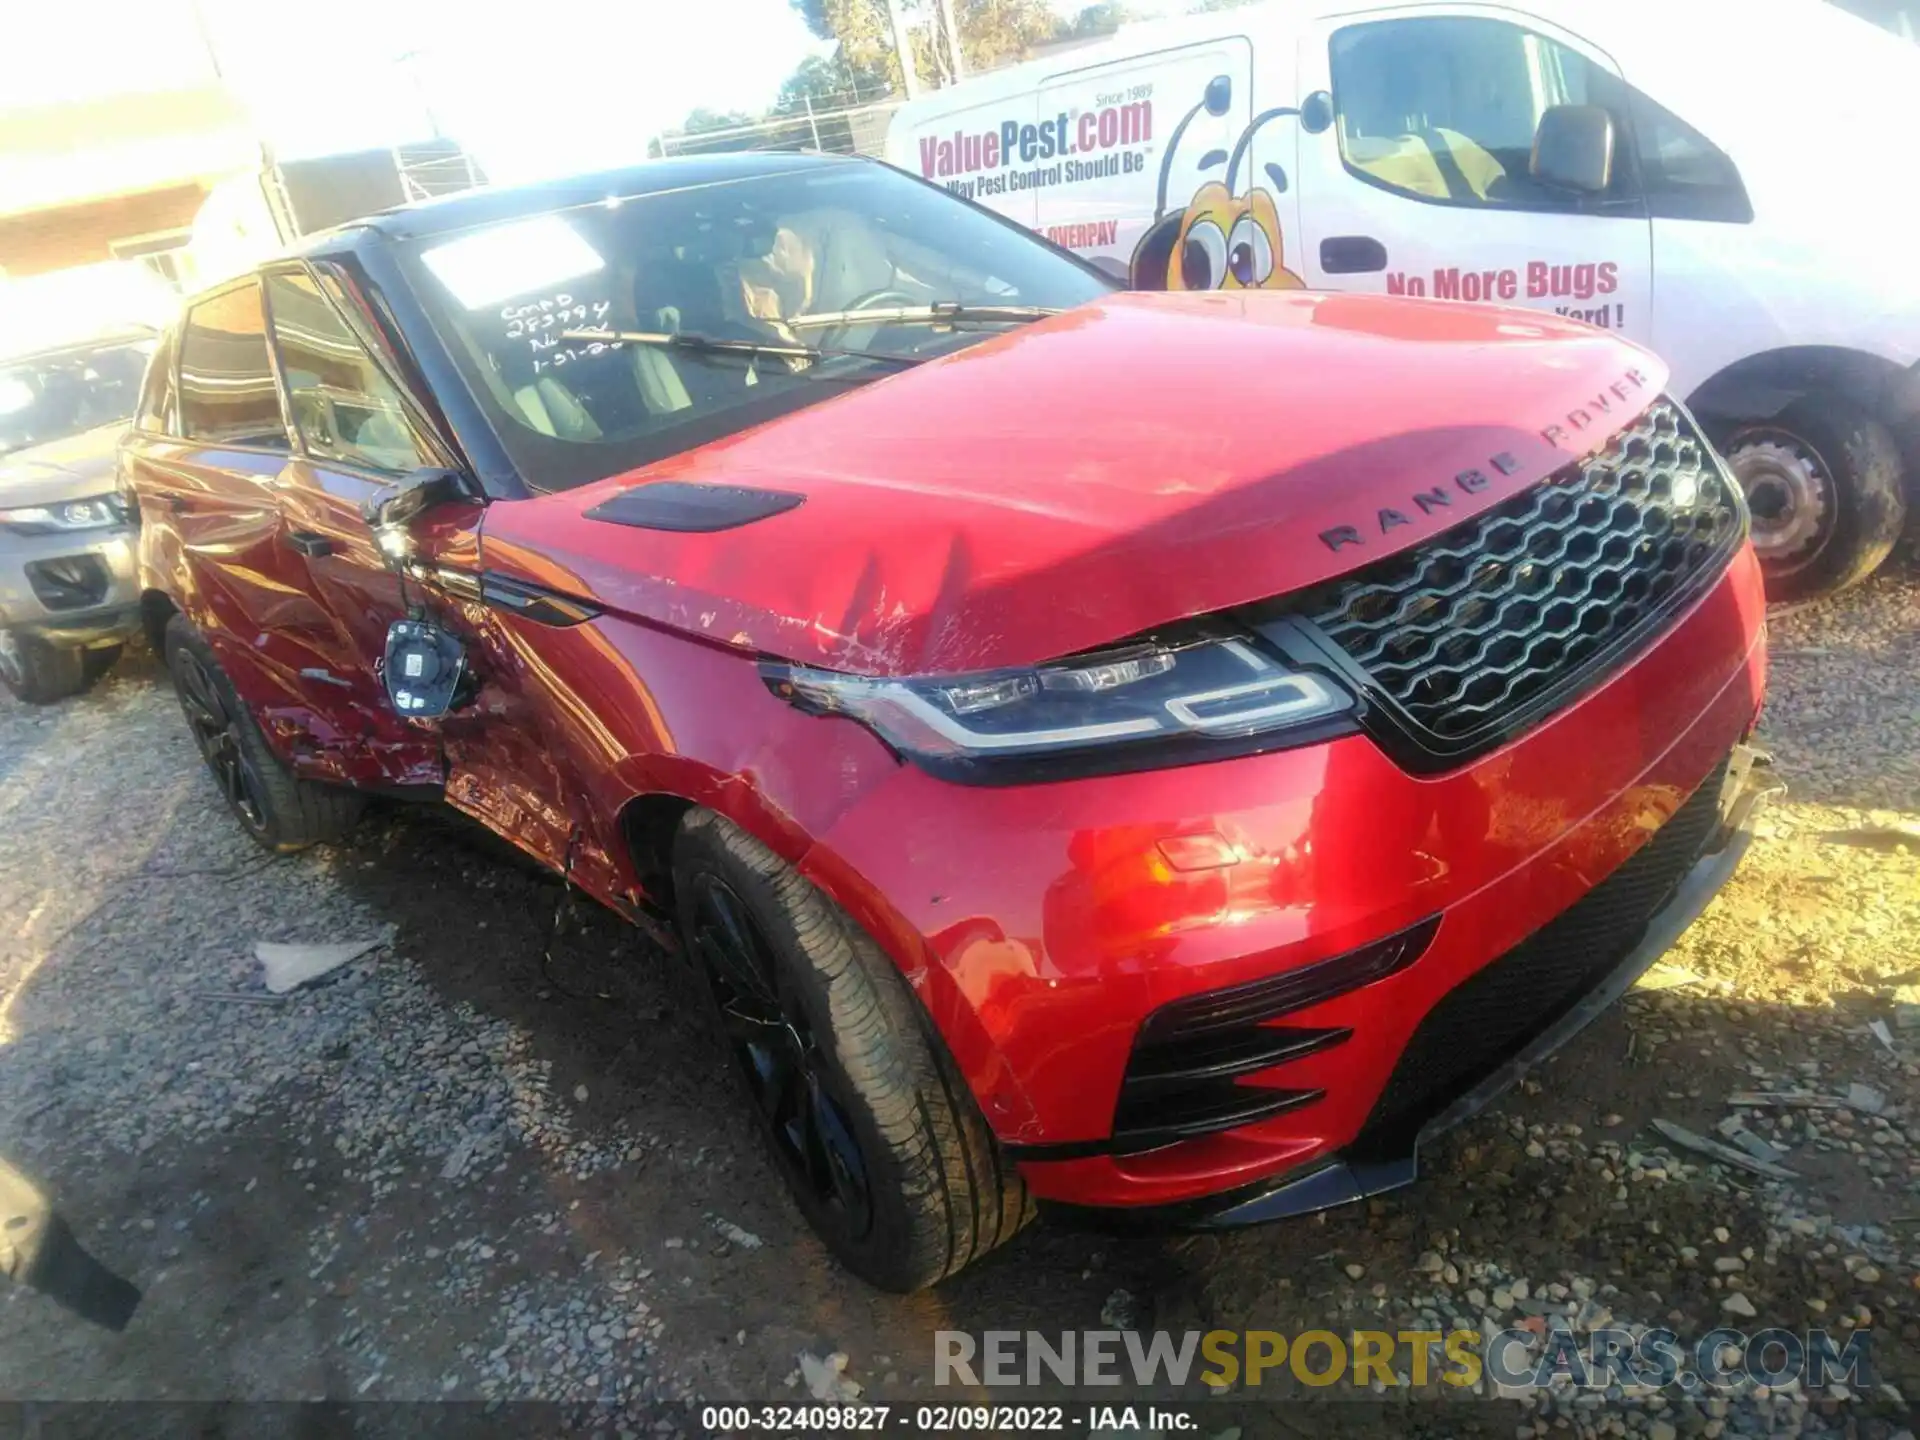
(835,337)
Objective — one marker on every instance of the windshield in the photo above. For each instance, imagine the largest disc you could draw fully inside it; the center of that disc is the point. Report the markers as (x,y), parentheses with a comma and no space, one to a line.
(61,393)
(601,337)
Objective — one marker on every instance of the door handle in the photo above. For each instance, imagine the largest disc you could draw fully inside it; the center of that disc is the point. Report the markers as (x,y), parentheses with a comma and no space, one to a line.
(309,544)
(1352,255)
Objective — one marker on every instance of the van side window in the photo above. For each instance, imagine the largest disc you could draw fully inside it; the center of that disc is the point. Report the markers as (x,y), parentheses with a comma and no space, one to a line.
(343,406)
(227,394)
(156,393)
(1445,109)
(1687,176)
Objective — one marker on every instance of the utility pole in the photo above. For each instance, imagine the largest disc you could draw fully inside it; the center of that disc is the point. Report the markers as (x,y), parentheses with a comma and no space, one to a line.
(903,46)
(952,31)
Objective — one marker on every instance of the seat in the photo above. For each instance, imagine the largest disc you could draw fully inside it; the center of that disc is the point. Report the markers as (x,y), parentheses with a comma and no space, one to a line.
(550,408)
(1438,162)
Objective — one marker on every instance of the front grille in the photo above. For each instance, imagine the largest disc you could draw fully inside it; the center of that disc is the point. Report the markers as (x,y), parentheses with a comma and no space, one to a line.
(73,582)
(1460,641)
(1183,1078)
(1492,1016)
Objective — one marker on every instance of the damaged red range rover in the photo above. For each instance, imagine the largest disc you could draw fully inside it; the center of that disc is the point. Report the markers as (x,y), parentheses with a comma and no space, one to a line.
(1160,756)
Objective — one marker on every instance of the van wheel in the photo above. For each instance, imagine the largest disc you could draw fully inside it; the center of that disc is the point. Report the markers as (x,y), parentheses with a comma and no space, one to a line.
(39,673)
(1823,483)
(869,1123)
(279,810)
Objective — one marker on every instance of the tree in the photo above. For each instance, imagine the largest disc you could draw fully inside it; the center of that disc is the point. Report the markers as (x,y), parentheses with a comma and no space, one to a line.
(827,82)
(702,121)
(700,118)
(865,34)
(815,95)
(999,32)
(992,33)
(1101,18)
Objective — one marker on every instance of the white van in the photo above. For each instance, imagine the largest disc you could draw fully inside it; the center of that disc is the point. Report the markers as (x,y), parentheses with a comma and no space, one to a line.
(1720,180)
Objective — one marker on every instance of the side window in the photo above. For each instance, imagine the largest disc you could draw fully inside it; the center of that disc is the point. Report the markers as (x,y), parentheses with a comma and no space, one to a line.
(1445,109)
(227,394)
(343,405)
(1687,176)
(156,391)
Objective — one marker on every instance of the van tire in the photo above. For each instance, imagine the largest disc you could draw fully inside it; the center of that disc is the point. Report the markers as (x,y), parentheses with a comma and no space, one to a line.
(935,1191)
(1824,480)
(282,812)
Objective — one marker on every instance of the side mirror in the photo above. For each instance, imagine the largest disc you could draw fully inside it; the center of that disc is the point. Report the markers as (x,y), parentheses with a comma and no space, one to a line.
(424,668)
(400,502)
(1573,149)
(1316,113)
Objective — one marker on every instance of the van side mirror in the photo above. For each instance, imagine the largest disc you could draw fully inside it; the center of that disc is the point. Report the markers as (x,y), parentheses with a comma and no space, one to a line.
(412,495)
(1573,148)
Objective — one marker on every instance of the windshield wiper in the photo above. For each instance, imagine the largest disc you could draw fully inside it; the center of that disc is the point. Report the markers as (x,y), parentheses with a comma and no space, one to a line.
(724,345)
(938,314)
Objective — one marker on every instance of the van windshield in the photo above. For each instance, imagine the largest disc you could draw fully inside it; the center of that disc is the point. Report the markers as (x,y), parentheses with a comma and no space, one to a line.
(601,337)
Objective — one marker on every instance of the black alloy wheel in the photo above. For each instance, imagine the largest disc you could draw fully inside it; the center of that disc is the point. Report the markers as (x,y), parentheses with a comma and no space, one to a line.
(216,733)
(767,1033)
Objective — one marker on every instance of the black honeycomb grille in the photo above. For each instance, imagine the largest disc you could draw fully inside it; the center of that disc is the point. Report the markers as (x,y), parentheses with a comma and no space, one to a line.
(1462,638)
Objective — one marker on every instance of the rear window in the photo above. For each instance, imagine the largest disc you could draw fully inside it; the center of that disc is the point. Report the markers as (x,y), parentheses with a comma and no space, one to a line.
(227,392)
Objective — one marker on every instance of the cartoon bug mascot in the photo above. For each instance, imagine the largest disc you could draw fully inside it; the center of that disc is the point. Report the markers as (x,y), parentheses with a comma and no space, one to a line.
(1221,240)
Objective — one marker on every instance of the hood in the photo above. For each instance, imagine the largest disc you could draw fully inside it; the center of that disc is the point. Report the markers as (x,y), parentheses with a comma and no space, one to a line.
(76,468)
(1075,481)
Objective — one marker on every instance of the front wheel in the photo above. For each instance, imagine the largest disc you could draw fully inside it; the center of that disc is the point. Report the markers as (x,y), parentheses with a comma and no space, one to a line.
(868,1121)
(1823,481)
(278,809)
(38,672)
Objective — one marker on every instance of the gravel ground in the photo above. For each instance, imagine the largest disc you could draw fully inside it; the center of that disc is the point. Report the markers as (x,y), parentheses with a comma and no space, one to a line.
(451,1171)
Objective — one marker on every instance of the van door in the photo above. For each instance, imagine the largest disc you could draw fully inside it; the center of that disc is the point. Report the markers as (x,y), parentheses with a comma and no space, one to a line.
(1139,139)
(1423,185)
(986,150)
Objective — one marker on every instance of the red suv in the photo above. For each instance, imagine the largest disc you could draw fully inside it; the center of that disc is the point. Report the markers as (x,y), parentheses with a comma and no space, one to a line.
(1157,755)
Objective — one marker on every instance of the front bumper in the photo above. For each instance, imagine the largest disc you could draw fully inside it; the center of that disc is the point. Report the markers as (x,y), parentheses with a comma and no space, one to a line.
(1043,926)
(70,589)
(1385,1155)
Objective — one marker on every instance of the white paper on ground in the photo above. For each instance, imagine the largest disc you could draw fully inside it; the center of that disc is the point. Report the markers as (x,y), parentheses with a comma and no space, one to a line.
(288,967)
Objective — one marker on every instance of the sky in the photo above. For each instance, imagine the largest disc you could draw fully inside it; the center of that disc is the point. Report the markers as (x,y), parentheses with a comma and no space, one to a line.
(598,82)
(588,89)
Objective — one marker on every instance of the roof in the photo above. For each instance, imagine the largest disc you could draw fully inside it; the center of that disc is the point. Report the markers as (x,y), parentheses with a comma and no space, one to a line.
(447,213)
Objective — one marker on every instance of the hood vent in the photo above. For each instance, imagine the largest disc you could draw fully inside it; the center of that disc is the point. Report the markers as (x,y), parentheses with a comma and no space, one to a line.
(677,506)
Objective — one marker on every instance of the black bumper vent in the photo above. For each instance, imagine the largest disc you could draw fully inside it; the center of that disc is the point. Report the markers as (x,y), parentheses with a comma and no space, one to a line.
(73,582)
(1491,1017)
(1461,641)
(1183,1077)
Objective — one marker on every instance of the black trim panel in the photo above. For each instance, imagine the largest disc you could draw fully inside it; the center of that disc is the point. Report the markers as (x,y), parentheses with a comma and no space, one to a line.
(683,508)
(534,602)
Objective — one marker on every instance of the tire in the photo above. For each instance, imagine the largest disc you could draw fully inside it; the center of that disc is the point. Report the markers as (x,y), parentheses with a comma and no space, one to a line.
(37,672)
(1824,480)
(95,663)
(868,1070)
(282,812)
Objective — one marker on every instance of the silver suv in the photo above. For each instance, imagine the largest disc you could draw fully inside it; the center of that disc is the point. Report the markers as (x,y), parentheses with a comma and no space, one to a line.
(69,597)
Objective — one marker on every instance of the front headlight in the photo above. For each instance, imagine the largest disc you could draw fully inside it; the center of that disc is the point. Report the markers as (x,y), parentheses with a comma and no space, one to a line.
(1147,704)
(94,513)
